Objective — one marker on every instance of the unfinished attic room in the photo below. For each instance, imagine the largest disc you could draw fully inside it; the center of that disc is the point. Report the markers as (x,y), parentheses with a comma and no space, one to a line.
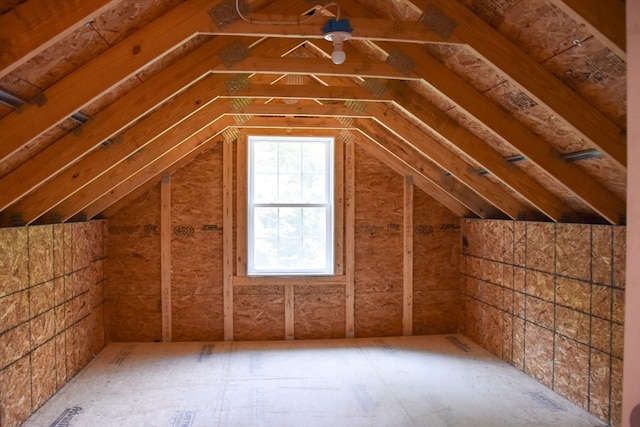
(308,213)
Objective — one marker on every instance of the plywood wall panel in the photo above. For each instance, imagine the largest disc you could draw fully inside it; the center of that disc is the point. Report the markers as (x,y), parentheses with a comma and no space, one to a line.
(196,219)
(319,315)
(573,324)
(599,384)
(571,371)
(58,250)
(602,253)
(197,318)
(14,310)
(14,260)
(15,389)
(566,325)
(378,314)
(258,316)
(14,344)
(40,254)
(573,250)
(436,245)
(134,318)
(82,252)
(43,364)
(539,353)
(601,339)
(43,328)
(436,312)
(540,246)
(619,256)
(574,294)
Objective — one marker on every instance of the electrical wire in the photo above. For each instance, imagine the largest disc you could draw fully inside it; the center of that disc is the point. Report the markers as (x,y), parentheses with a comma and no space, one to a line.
(308,18)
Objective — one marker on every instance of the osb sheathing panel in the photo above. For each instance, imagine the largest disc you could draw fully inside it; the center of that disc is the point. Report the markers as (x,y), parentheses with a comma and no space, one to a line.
(197,317)
(15,389)
(436,255)
(56,326)
(196,249)
(378,248)
(565,327)
(133,309)
(258,316)
(571,371)
(319,313)
(571,53)
(196,221)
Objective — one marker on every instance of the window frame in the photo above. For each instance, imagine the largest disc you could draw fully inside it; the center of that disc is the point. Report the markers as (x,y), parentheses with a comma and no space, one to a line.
(329,206)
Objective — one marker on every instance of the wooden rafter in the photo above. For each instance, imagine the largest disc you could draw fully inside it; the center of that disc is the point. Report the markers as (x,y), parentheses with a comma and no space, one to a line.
(428,176)
(33,26)
(604,18)
(602,133)
(513,132)
(479,151)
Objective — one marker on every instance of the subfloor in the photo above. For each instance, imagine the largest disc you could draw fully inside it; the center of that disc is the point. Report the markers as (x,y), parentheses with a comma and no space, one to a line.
(433,381)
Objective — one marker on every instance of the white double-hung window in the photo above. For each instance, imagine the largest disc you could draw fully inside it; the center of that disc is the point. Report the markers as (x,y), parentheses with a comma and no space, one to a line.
(290,206)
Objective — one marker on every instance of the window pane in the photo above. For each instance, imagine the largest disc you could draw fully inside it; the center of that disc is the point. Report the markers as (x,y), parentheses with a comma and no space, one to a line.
(265,188)
(265,222)
(314,158)
(290,222)
(265,157)
(314,253)
(314,222)
(290,157)
(314,188)
(289,253)
(265,254)
(290,189)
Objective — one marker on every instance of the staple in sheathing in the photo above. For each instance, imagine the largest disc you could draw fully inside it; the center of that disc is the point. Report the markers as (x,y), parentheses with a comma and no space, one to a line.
(238,104)
(236,83)
(375,87)
(401,62)
(225,13)
(234,54)
(437,21)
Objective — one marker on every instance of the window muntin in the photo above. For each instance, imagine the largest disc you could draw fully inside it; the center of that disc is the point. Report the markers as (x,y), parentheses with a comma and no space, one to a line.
(290,206)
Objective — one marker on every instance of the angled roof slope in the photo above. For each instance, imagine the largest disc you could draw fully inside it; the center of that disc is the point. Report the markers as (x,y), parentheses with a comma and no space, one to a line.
(499,109)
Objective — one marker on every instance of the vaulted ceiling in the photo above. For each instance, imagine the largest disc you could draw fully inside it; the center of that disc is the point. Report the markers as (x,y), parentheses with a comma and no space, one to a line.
(497,108)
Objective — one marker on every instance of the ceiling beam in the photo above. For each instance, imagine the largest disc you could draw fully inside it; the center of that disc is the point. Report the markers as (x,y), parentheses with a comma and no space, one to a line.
(33,26)
(118,63)
(167,148)
(130,141)
(474,147)
(432,179)
(363,29)
(601,132)
(144,179)
(372,148)
(605,19)
(317,67)
(123,112)
(130,107)
(427,147)
(461,93)
(284,91)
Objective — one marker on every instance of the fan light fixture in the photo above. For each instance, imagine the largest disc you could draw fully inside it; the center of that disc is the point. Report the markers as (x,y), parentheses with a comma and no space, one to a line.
(337,31)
